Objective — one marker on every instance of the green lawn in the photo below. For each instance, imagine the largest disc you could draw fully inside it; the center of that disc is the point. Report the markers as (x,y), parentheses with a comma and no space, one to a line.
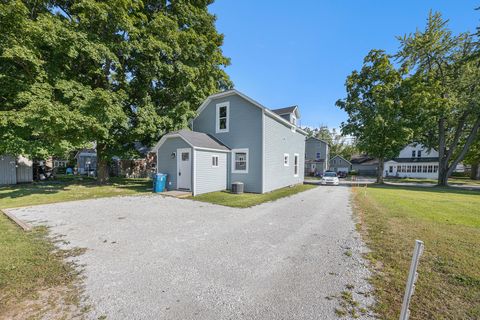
(246,200)
(69,189)
(29,263)
(452,181)
(448,221)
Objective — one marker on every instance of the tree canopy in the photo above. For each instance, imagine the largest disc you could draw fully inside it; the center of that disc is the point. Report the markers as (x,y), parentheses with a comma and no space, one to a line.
(445,90)
(110,72)
(377,118)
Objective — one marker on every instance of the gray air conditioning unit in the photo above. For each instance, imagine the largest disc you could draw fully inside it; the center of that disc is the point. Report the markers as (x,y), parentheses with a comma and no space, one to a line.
(237,187)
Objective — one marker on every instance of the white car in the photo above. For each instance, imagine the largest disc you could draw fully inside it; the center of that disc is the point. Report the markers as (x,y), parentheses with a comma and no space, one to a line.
(329,177)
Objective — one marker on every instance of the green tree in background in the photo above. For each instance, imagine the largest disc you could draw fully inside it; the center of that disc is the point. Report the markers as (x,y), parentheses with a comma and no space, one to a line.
(110,72)
(377,118)
(445,73)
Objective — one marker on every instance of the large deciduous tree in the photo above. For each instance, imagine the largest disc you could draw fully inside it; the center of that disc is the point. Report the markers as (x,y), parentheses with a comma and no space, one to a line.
(111,72)
(445,73)
(377,118)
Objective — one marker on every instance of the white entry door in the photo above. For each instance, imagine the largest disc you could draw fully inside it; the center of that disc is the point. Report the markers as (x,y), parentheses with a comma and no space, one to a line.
(184,169)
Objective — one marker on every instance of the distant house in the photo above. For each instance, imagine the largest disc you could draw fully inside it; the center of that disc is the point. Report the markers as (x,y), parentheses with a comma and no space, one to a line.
(340,164)
(414,161)
(364,165)
(234,139)
(15,170)
(317,153)
(86,161)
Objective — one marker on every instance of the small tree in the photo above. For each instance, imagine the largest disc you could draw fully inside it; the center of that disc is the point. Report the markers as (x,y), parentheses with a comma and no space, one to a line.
(377,118)
(444,90)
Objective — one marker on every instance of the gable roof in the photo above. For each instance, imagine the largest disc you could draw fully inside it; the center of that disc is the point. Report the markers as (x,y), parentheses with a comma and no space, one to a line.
(338,156)
(287,110)
(197,140)
(317,139)
(363,159)
(255,103)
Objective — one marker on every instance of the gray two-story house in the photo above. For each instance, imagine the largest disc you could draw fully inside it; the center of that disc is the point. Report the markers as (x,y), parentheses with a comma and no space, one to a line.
(234,138)
(317,153)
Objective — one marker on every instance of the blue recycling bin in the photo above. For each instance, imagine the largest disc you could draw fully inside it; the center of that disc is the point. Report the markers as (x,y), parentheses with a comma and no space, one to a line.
(159,182)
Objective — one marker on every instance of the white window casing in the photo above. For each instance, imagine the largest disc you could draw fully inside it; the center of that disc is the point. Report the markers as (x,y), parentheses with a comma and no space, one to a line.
(296,164)
(222,117)
(215,161)
(286,159)
(240,160)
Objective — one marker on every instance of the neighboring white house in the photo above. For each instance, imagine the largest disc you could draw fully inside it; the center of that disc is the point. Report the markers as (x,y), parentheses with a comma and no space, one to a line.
(414,161)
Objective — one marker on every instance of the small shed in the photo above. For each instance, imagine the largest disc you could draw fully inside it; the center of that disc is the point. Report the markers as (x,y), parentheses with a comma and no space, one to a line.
(86,161)
(194,161)
(15,170)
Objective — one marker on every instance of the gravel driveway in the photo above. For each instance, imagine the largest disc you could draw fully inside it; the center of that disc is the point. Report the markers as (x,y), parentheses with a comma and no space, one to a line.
(153,257)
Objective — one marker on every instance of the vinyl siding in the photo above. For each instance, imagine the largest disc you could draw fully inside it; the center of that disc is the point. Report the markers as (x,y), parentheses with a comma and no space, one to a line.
(167,165)
(245,132)
(339,163)
(8,173)
(24,170)
(312,146)
(208,178)
(279,139)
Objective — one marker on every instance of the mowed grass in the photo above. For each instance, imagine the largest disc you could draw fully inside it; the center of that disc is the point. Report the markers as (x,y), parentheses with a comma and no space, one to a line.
(448,221)
(245,200)
(29,262)
(69,189)
(452,181)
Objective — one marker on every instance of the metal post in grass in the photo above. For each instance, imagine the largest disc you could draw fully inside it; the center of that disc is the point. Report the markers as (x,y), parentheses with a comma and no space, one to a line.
(412,278)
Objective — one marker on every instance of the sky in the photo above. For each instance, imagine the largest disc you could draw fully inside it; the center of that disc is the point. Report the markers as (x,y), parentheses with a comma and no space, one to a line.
(300,52)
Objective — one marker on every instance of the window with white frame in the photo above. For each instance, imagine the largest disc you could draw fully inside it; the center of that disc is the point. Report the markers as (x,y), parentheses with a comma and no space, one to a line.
(294,119)
(286,159)
(319,155)
(222,117)
(413,153)
(240,161)
(430,169)
(295,164)
(419,153)
(435,169)
(214,161)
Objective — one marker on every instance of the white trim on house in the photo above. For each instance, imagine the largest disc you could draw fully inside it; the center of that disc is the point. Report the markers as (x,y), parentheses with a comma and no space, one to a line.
(286,159)
(255,103)
(243,150)
(217,117)
(194,173)
(263,152)
(296,166)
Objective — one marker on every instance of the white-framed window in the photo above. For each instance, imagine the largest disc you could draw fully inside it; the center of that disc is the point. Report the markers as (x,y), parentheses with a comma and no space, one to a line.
(430,169)
(413,153)
(419,153)
(319,155)
(294,119)
(435,169)
(390,169)
(286,159)
(424,168)
(240,161)
(215,161)
(295,164)
(222,117)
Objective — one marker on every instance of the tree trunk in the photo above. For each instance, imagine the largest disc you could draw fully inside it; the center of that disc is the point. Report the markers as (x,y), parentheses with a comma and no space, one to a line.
(381,166)
(475,172)
(442,156)
(102,164)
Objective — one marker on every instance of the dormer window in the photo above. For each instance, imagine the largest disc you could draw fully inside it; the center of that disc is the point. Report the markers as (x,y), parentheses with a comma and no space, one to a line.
(419,153)
(222,117)
(293,119)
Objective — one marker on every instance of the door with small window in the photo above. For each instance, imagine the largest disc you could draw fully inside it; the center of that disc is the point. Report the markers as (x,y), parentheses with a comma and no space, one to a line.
(184,169)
